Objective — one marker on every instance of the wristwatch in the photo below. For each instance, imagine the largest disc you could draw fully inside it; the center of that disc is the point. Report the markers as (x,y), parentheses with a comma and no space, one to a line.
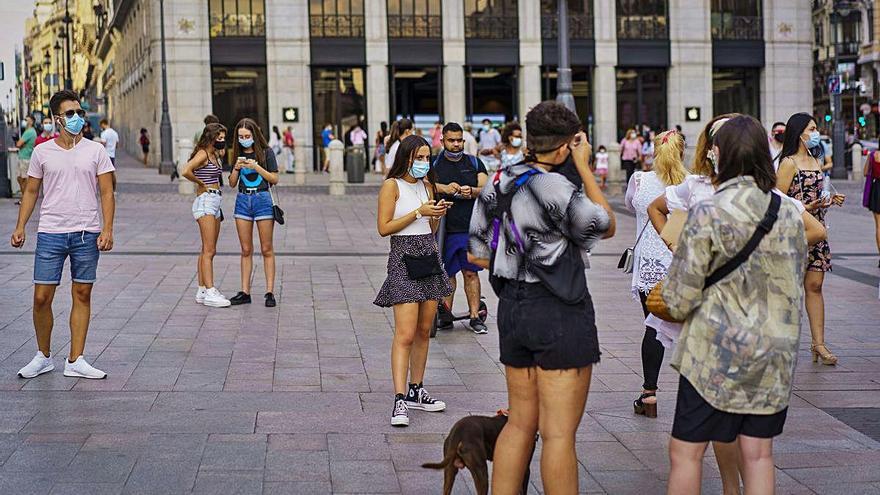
(418,215)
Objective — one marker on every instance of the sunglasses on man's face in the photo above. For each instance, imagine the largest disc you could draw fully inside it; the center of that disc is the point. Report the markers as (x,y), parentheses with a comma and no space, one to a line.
(70,113)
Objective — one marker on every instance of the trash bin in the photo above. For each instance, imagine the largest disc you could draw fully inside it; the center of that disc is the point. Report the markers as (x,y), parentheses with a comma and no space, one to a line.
(355,161)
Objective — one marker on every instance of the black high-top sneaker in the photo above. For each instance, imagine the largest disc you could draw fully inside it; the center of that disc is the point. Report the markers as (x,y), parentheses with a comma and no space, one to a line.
(399,415)
(418,398)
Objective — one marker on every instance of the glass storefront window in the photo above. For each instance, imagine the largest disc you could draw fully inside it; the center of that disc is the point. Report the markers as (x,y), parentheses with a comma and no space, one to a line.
(336,18)
(737,20)
(736,90)
(337,99)
(491,19)
(491,93)
(239,92)
(237,18)
(641,99)
(581,88)
(414,19)
(642,20)
(580,19)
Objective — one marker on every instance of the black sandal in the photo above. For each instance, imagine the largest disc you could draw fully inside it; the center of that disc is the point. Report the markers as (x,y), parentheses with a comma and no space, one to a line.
(648,410)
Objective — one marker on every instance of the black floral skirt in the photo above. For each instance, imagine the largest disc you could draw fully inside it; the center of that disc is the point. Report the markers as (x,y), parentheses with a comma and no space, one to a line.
(398,287)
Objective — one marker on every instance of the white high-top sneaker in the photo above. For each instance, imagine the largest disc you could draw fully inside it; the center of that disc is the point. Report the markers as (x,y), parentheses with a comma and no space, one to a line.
(200,295)
(215,299)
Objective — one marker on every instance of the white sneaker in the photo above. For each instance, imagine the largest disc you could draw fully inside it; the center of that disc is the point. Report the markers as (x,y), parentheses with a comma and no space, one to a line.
(39,364)
(200,295)
(215,299)
(81,369)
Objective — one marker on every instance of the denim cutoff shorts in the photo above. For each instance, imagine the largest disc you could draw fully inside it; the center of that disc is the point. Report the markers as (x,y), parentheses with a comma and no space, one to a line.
(53,249)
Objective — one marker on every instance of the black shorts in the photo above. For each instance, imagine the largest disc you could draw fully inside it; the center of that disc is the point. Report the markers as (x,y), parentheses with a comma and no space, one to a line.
(697,421)
(535,328)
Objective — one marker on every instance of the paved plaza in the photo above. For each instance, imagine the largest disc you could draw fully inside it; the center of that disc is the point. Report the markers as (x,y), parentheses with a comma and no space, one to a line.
(296,399)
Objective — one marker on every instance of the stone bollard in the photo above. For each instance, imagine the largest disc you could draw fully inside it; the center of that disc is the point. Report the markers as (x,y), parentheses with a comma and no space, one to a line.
(12,167)
(337,174)
(299,166)
(858,162)
(184,149)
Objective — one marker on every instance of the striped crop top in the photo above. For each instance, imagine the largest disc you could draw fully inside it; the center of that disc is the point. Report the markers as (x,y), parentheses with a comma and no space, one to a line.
(210,174)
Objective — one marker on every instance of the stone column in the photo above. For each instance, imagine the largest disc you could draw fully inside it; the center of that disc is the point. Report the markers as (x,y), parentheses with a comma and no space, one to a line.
(605,86)
(188,61)
(337,168)
(288,74)
(785,82)
(454,92)
(689,83)
(376,32)
(529,80)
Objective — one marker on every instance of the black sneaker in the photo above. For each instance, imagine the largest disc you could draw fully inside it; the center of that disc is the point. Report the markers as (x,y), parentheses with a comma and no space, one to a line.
(270,300)
(399,414)
(417,398)
(444,317)
(478,326)
(240,298)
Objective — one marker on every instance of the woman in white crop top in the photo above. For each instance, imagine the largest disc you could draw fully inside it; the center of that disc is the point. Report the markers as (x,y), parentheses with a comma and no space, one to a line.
(416,280)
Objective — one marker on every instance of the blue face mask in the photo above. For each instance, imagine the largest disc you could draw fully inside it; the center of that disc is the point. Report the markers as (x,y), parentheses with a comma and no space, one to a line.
(454,156)
(419,169)
(246,143)
(815,140)
(75,124)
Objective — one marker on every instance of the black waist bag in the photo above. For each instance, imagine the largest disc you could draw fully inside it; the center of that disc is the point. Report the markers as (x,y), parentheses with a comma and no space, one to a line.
(419,267)
(565,279)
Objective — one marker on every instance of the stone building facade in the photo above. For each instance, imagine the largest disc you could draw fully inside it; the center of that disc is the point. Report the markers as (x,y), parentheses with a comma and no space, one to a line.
(655,62)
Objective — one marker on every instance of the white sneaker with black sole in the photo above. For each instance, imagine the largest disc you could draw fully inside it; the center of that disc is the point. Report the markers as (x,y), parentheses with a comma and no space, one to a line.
(399,415)
(418,398)
(81,369)
(214,299)
(39,364)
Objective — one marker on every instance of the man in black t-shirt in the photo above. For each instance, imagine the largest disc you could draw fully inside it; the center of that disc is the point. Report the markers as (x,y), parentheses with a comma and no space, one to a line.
(460,178)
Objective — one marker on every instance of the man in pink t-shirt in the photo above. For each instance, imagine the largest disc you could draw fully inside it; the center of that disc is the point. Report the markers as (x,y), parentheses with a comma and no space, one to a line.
(70,170)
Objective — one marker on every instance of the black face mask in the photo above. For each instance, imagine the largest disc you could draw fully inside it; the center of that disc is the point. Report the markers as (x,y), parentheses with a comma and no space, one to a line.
(563,162)
(779,136)
(220,145)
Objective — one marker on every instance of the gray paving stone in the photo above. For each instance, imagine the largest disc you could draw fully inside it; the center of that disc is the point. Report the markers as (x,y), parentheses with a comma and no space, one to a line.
(236,483)
(363,477)
(297,465)
(296,487)
(162,477)
(41,457)
(86,488)
(235,454)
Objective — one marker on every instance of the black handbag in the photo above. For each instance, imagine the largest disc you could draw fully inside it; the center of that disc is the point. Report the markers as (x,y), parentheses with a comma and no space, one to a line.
(419,267)
(277,212)
(565,279)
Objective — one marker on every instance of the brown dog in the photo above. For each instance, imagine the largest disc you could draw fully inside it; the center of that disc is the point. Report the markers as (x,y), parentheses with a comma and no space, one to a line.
(470,444)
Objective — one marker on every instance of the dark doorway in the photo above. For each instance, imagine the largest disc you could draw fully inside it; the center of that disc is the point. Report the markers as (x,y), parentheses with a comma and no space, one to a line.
(641,99)
(239,92)
(582,88)
(736,90)
(416,93)
(337,99)
(491,93)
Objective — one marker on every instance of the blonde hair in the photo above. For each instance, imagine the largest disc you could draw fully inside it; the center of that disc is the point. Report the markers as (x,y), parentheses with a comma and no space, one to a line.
(702,165)
(668,152)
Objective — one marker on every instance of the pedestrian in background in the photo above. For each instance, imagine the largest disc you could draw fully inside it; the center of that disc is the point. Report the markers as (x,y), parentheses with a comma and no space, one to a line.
(601,164)
(470,142)
(327,136)
(410,213)
(460,179)
(651,256)
(777,135)
(871,199)
(48,132)
(736,370)
(289,150)
(144,141)
(800,176)
(275,142)
(209,119)
(87,131)
(110,139)
(511,150)
(490,138)
(25,145)
(546,323)
(205,169)
(400,130)
(379,142)
(437,137)
(648,152)
(71,172)
(630,152)
(254,173)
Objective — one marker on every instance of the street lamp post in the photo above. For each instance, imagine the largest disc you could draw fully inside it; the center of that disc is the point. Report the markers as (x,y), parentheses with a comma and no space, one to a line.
(68,81)
(58,72)
(47,63)
(166,165)
(838,139)
(563,71)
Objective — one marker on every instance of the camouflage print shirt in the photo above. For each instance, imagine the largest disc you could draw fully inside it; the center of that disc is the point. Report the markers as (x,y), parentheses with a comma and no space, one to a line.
(738,347)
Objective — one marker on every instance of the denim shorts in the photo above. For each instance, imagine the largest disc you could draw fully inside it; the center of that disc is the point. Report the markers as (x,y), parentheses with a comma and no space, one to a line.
(207,204)
(254,207)
(53,249)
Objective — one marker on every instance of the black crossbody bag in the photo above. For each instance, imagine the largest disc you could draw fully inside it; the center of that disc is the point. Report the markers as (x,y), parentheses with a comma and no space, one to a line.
(422,266)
